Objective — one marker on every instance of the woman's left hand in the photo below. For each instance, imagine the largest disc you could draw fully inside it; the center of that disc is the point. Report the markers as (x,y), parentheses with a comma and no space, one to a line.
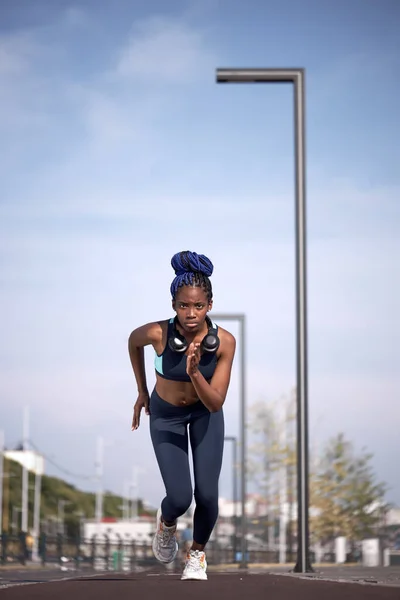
(193,359)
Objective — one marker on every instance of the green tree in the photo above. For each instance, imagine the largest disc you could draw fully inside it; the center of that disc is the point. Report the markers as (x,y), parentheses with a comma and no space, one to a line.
(345,497)
(365,502)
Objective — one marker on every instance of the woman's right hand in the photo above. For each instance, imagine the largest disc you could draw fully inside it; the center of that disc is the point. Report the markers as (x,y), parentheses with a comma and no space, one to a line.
(141,402)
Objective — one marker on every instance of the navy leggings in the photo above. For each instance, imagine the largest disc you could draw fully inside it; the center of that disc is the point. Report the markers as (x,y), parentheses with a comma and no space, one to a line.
(170,429)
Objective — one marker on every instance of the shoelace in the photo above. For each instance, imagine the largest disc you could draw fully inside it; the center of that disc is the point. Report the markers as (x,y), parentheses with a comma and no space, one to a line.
(166,538)
(194,562)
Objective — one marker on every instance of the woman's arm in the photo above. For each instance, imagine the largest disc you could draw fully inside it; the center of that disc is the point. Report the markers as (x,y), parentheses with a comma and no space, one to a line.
(145,335)
(150,333)
(212,394)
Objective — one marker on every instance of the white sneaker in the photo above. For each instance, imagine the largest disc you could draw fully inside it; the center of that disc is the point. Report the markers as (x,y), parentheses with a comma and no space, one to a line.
(195,566)
(165,546)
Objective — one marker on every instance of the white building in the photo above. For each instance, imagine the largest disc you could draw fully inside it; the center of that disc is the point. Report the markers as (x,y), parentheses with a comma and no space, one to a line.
(255,506)
(393,516)
(31,460)
(140,530)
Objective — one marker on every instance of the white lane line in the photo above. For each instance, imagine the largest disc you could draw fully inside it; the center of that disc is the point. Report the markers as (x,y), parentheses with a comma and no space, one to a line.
(21,583)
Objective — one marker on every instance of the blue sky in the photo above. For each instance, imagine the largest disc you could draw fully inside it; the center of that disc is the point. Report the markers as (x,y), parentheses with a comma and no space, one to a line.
(118,149)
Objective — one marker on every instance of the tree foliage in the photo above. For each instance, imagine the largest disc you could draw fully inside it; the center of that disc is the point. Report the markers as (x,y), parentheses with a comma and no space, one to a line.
(345,497)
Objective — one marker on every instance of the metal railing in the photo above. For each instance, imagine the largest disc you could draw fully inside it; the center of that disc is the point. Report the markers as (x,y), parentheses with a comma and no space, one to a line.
(104,553)
(111,554)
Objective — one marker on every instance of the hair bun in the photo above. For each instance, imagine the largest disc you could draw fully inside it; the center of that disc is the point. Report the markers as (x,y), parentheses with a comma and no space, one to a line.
(190,262)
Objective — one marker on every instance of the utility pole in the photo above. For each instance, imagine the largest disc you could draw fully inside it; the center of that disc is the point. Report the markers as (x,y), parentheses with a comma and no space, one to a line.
(81,516)
(1,478)
(134,494)
(125,502)
(99,476)
(36,514)
(233,439)
(25,473)
(283,492)
(61,515)
(135,498)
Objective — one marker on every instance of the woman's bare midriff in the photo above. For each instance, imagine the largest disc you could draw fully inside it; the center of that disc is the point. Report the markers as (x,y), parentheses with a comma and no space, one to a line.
(178,393)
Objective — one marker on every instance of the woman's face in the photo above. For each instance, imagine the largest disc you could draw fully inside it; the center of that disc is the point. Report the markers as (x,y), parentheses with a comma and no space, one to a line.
(191,305)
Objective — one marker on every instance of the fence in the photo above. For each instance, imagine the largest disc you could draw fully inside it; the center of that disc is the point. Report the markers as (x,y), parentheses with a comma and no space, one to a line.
(13,549)
(104,553)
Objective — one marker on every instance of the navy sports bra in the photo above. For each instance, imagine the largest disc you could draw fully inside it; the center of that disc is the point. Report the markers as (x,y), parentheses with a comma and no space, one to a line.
(172,365)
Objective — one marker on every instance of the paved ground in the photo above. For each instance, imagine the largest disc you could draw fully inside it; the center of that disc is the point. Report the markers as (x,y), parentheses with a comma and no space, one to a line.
(47,584)
(349,573)
(23,576)
(387,576)
(328,572)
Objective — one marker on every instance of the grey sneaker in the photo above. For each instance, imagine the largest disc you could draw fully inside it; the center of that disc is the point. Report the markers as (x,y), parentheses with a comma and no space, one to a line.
(165,546)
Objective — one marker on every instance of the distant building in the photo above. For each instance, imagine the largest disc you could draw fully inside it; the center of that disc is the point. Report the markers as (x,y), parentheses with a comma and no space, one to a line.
(256,506)
(31,460)
(393,516)
(140,530)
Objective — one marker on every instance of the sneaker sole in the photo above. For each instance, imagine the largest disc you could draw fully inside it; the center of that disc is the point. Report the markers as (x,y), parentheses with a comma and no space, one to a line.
(194,578)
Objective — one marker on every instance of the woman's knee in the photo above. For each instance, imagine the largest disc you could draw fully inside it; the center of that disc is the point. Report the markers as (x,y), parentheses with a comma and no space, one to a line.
(180,502)
(207,498)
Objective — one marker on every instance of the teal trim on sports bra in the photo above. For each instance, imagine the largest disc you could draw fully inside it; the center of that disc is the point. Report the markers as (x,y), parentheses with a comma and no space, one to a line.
(158,364)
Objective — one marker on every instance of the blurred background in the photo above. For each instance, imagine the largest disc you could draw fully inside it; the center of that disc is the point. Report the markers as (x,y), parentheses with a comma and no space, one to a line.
(118,149)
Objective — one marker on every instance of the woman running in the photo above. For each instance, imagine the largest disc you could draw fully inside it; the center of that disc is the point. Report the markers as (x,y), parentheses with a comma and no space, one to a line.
(193,362)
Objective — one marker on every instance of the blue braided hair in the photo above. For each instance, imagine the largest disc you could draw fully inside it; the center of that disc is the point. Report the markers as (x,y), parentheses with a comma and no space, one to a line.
(192,269)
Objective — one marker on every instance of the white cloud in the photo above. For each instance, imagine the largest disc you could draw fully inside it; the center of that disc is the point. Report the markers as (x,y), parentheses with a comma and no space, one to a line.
(109,114)
(163,50)
(140,87)
(118,130)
